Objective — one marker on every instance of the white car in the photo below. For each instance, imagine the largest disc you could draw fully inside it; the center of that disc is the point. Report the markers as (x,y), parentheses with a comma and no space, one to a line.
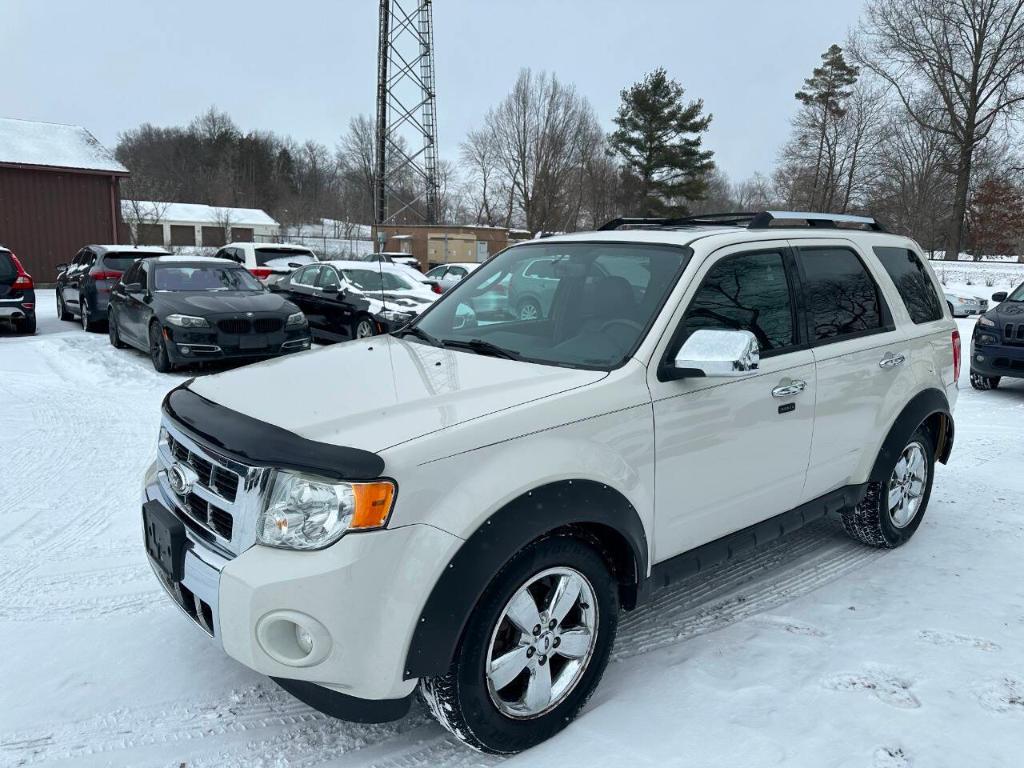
(965,306)
(447,275)
(269,262)
(465,508)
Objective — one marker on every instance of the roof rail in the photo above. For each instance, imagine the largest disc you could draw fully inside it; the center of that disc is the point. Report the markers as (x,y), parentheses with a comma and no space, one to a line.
(751,220)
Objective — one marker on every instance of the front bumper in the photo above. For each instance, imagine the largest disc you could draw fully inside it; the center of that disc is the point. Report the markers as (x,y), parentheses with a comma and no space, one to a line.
(190,345)
(997,360)
(360,600)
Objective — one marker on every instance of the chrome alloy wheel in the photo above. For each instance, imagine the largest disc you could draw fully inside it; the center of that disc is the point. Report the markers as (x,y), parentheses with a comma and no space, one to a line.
(538,655)
(364,329)
(907,484)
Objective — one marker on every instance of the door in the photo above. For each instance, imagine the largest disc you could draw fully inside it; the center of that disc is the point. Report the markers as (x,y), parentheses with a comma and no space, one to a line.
(133,322)
(300,289)
(73,278)
(731,452)
(862,360)
(333,315)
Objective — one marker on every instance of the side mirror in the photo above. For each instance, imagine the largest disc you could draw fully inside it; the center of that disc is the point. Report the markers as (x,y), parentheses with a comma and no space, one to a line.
(133,287)
(62,267)
(715,354)
(999,296)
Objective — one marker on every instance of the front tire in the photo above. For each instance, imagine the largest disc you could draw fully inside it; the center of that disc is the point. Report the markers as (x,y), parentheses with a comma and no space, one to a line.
(533,651)
(984,383)
(528,309)
(891,511)
(87,323)
(158,350)
(62,309)
(363,327)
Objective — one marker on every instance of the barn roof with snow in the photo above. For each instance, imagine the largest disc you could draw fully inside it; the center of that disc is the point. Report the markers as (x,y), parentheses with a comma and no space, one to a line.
(53,145)
(196,213)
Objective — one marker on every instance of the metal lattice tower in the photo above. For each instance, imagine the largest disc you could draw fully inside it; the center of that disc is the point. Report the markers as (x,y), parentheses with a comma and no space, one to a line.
(406,112)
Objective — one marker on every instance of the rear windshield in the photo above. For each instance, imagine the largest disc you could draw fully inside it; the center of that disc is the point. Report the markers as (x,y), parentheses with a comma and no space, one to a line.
(207,277)
(7,270)
(265,256)
(121,261)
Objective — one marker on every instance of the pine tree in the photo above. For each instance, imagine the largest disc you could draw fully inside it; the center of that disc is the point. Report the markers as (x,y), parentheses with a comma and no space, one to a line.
(659,138)
(824,94)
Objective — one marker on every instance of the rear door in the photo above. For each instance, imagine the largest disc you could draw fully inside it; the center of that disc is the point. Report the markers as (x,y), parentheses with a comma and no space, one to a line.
(300,288)
(8,273)
(862,361)
(72,279)
(333,313)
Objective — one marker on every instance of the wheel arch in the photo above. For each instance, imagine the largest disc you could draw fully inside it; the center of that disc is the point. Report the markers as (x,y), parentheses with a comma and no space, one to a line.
(928,408)
(585,509)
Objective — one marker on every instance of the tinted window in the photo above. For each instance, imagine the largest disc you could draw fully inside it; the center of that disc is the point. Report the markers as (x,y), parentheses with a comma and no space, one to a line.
(121,261)
(7,270)
(282,256)
(306,276)
(372,280)
(205,277)
(540,269)
(328,278)
(457,272)
(143,275)
(747,292)
(913,283)
(842,299)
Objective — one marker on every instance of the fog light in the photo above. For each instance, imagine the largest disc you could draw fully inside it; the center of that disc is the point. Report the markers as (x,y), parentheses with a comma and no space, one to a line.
(186,350)
(304,639)
(980,358)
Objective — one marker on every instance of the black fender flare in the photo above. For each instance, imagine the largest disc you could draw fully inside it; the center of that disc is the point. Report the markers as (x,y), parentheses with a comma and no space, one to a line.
(921,407)
(567,504)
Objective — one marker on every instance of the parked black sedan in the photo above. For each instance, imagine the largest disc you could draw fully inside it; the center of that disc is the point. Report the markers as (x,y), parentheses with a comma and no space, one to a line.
(84,284)
(352,300)
(184,310)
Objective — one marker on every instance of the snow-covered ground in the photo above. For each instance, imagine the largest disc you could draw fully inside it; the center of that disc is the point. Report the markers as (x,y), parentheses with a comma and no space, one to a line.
(813,652)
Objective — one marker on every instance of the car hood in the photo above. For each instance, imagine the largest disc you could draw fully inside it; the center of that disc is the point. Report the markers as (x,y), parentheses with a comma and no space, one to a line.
(379,392)
(203,303)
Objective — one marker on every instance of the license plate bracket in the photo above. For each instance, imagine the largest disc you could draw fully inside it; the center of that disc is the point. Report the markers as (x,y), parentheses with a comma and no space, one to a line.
(165,539)
(255,341)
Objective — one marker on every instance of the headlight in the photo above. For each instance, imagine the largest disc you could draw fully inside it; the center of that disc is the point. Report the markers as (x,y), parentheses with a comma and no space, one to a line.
(986,338)
(985,321)
(303,513)
(394,316)
(296,320)
(187,321)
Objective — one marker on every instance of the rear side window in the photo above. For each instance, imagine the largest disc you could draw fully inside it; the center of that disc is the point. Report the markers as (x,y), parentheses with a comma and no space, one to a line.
(121,261)
(912,282)
(265,256)
(746,292)
(7,270)
(842,299)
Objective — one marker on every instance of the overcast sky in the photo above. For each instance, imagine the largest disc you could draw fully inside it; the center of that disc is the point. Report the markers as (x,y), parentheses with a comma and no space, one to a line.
(305,67)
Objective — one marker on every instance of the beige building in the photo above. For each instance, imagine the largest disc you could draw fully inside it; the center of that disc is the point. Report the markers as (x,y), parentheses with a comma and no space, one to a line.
(434,244)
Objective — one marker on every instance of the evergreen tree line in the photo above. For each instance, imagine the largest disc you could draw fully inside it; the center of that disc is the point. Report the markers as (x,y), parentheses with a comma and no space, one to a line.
(915,120)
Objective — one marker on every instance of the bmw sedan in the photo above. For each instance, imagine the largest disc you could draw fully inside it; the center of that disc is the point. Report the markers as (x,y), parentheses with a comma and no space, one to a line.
(186,310)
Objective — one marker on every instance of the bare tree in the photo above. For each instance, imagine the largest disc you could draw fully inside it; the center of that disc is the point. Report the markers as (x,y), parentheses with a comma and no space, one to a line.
(138,213)
(969,53)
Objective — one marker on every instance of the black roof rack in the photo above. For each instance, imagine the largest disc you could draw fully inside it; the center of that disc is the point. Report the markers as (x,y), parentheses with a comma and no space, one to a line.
(750,220)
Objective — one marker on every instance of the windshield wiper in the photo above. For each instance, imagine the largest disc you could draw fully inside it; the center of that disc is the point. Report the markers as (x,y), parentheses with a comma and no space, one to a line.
(419,333)
(482,347)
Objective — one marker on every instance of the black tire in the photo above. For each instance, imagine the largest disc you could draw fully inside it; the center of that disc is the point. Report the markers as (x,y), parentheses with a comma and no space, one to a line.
(158,350)
(360,325)
(112,331)
(87,322)
(984,383)
(528,309)
(62,309)
(461,701)
(26,325)
(871,521)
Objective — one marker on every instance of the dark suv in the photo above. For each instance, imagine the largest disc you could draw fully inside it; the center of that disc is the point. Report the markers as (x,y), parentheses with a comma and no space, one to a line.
(17,293)
(84,284)
(997,344)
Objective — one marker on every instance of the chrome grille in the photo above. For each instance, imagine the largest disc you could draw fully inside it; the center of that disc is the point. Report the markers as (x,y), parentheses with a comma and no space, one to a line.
(1014,334)
(224,502)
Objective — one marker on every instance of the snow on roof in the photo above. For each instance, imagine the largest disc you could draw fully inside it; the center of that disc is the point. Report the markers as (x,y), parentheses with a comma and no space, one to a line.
(195,213)
(133,248)
(24,142)
(181,259)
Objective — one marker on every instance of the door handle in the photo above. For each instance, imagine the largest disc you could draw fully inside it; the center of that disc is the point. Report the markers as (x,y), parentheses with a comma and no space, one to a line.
(892,361)
(795,387)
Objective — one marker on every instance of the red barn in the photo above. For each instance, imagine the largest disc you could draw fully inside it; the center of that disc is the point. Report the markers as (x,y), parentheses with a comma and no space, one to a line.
(59,190)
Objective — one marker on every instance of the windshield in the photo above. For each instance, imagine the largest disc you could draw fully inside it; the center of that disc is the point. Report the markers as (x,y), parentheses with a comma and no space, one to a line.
(274,257)
(207,277)
(1018,294)
(373,280)
(577,304)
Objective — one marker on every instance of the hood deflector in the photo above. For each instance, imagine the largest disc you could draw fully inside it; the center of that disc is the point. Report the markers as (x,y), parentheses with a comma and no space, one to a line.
(256,442)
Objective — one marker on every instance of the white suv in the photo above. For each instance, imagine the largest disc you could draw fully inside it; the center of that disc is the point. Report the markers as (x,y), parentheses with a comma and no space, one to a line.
(269,262)
(465,506)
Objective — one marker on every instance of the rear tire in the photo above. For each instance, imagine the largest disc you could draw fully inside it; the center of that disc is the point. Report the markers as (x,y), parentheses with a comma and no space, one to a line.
(528,309)
(984,383)
(26,325)
(158,350)
(62,309)
(113,333)
(504,708)
(950,305)
(891,511)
